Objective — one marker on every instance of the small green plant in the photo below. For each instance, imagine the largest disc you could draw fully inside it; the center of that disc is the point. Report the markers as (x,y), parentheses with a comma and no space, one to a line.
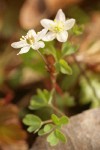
(54,59)
(89,93)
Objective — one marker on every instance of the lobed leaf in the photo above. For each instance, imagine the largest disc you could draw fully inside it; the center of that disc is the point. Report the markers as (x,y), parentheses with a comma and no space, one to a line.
(55,119)
(52,139)
(68,49)
(48,128)
(64,120)
(64,67)
(40,100)
(60,135)
(34,122)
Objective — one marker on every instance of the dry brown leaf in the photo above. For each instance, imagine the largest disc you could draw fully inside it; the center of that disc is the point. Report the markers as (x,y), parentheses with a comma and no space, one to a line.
(89,52)
(54,5)
(12,136)
(18,146)
(31,12)
(92,31)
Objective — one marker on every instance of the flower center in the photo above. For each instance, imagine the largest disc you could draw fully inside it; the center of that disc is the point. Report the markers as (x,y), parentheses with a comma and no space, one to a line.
(29,39)
(58,27)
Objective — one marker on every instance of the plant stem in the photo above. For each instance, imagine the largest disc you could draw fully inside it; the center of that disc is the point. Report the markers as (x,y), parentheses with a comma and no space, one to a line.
(53,79)
(47,121)
(42,57)
(50,100)
(58,89)
(57,110)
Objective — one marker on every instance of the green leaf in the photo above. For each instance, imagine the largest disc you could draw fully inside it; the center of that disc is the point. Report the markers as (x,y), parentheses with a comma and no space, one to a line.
(33,121)
(30,119)
(64,67)
(78,29)
(41,132)
(57,66)
(36,103)
(55,119)
(52,139)
(40,100)
(86,92)
(48,95)
(48,128)
(32,128)
(68,49)
(64,120)
(41,94)
(60,135)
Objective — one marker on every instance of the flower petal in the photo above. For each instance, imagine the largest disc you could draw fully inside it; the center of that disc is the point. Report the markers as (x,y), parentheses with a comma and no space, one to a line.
(69,24)
(19,44)
(31,33)
(60,15)
(47,23)
(49,36)
(41,44)
(62,37)
(38,45)
(24,50)
(41,34)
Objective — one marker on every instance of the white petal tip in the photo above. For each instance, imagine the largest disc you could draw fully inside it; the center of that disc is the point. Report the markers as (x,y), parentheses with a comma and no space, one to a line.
(60,10)
(13,45)
(69,24)
(73,21)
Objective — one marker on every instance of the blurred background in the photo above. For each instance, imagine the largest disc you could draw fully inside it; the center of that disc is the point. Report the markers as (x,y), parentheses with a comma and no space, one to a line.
(21,75)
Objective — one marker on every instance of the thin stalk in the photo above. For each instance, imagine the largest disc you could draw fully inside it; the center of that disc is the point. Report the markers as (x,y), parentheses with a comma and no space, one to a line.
(53,79)
(46,122)
(57,110)
(51,98)
(42,57)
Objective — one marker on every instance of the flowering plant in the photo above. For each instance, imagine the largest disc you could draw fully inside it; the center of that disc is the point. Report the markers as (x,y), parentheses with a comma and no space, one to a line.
(40,42)
(57,28)
(31,40)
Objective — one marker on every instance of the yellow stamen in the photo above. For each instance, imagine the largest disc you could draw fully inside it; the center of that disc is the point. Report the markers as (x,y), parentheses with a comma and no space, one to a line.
(30,40)
(58,27)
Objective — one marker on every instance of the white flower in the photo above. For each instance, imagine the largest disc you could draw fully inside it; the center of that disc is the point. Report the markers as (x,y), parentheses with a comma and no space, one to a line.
(57,28)
(31,40)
